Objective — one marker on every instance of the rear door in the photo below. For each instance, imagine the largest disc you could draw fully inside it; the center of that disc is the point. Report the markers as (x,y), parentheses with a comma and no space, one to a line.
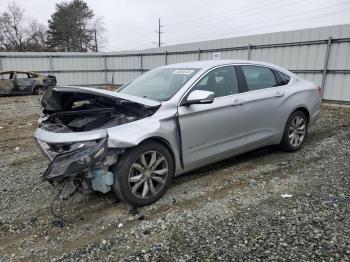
(213,131)
(264,98)
(24,83)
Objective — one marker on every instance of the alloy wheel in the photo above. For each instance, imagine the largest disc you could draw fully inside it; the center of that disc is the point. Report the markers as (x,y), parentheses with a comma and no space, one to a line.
(297,131)
(147,175)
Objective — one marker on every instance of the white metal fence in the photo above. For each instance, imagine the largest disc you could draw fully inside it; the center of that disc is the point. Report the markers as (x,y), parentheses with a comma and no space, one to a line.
(319,54)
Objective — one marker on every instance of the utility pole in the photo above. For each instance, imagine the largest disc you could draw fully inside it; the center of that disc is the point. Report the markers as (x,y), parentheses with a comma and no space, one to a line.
(159,32)
(96,49)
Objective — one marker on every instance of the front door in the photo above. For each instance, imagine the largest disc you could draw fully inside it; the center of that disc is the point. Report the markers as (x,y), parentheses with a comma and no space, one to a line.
(6,83)
(212,131)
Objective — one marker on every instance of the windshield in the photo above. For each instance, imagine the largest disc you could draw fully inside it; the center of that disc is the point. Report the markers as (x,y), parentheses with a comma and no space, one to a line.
(159,84)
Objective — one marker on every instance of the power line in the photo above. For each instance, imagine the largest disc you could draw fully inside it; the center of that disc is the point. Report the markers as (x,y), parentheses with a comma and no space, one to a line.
(229,12)
(274,19)
(225,35)
(253,26)
(133,38)
(269,4)
(229,17)
(241,10)
(286,23)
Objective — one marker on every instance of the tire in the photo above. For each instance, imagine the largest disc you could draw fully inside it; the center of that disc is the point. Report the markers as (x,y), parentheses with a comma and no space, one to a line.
(295,131)
(135,166)
(39,90)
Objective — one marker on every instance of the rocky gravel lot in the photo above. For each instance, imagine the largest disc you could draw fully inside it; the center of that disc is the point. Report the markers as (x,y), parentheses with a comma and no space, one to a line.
(264,205)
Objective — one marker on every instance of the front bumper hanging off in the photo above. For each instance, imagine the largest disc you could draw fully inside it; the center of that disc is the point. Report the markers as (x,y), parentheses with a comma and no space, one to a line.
(80,160)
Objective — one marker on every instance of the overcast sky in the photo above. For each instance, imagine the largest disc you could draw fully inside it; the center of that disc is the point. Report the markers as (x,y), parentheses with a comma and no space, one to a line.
(131,24)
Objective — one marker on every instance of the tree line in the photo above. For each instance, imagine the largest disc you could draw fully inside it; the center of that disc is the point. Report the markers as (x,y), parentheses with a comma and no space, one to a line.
(73,27)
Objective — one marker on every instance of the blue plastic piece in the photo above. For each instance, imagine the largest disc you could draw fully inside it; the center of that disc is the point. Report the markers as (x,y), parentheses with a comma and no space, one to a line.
(102,180)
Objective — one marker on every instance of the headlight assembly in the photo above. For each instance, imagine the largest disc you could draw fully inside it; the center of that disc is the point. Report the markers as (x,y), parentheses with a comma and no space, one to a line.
(81,157)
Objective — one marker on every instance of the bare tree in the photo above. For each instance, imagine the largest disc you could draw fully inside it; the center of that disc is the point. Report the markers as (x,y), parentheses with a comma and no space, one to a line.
(18,33)
(99,33)
(37,34)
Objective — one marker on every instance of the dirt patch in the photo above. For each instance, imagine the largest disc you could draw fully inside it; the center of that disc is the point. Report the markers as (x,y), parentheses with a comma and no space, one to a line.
(230,210)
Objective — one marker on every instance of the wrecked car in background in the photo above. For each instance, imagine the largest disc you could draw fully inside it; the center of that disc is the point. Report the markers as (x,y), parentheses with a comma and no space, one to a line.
(24,83)
(169,121)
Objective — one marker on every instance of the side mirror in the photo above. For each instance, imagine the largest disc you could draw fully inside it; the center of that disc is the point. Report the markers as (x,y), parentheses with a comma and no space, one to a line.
(200,97)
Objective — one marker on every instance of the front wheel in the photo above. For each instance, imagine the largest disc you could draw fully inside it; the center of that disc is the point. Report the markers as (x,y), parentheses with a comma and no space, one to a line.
(143,174)
(295,131)
(39,90)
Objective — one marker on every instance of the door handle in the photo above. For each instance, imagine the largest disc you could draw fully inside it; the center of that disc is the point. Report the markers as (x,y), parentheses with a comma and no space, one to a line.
(238,102)
(279,94)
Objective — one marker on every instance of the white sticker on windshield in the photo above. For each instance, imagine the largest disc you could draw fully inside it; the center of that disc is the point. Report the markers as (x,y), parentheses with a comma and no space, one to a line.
(183,72)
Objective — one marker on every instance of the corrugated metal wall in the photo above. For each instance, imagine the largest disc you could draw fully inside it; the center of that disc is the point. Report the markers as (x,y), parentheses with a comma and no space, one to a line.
(302,51)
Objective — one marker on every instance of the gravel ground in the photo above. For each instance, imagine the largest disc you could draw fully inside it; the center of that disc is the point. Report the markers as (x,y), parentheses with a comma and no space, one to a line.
(263,205)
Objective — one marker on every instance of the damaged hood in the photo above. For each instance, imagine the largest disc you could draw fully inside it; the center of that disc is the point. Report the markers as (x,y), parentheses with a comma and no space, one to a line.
(50,104)
(80,114)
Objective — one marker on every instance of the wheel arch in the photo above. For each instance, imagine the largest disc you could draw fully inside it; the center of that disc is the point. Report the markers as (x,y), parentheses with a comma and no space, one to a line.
(38,85)
(304,110)
(301,108)
(165,143)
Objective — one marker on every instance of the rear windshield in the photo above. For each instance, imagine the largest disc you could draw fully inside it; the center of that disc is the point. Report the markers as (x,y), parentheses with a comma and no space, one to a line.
(159,84)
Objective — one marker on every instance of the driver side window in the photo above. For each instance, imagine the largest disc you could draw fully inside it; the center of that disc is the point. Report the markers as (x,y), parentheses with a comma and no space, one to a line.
(222,81)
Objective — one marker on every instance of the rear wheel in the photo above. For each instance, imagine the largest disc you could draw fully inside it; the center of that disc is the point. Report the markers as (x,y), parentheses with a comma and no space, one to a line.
(143,174)
(39,90)
(295,131)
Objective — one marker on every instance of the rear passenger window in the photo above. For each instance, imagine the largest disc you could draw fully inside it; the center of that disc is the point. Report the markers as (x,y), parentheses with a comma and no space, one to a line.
(22,75)
(282,79)
(258,77)
(222,81)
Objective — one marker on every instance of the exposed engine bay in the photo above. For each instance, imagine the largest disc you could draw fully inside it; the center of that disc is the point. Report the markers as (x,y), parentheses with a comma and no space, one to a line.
(69,110)
(85,165)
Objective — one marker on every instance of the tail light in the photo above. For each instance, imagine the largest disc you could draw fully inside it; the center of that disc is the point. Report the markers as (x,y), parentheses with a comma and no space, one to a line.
(319,90)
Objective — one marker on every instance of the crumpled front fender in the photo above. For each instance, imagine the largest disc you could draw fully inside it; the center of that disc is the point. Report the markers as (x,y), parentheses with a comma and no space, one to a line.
(132,134)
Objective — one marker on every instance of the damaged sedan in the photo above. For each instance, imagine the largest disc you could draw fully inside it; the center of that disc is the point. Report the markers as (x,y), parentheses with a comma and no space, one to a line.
(169,121)
(24,83)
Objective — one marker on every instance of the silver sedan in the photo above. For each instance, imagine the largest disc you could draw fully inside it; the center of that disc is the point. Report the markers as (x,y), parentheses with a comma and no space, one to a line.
(169,121)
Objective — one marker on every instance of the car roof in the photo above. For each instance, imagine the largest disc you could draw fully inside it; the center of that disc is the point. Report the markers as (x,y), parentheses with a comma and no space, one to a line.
(24,72)
(207,64)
